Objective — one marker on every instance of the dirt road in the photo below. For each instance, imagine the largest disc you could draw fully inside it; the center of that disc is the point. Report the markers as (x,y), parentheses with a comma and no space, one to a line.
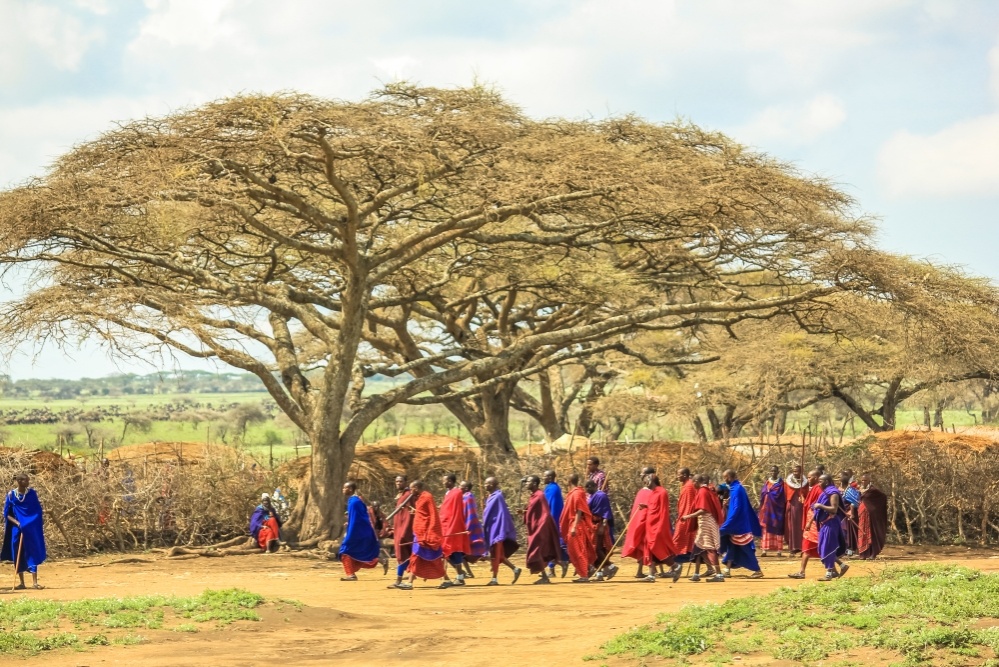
(364,623)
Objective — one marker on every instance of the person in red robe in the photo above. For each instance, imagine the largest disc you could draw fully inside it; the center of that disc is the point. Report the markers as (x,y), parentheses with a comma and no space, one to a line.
(577,530)
(455,538)
(810,535)
(794,516)
(634,539)
(542,533)
(402,528)
(872,519)
(659,546)
(707,511)
(685,531)
(427,559)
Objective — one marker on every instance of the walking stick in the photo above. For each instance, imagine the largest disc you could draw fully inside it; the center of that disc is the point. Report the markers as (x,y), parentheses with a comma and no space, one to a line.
(403,504)
(464,532)
(619,538)
(17,561)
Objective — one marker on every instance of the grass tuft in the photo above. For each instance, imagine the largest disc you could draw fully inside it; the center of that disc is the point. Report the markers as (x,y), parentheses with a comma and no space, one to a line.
(919,614)
(30,626)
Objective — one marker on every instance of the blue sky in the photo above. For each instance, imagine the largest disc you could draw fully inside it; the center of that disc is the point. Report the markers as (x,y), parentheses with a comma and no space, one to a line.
(895,100)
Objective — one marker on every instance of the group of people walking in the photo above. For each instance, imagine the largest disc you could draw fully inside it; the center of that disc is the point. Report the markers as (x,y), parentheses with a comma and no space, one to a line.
(716,527)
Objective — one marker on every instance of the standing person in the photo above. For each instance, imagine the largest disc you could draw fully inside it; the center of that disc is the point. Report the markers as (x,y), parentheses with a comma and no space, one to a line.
(603,526)
(773,510)
(634,541)
(740,528)
(553,496)
(402,528)
(810,532)
(810,536)
(476,536)
(577,529)
(596,475)
(872,519)
(685,531)
(542,533)
(827,515)
(659,546)
(501,534)
(265,525)
(707,512)
(848,515)
(455,535)
(23,535)
(794,518)
(360,548)
(427,558)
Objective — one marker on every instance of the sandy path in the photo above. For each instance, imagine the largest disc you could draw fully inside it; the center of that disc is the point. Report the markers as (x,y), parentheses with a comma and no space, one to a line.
(364,623)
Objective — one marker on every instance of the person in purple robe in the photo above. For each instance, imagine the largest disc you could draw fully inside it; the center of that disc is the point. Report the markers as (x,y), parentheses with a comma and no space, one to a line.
(773,507)
(501,534)
(826,512)
(603,520)
(23,536)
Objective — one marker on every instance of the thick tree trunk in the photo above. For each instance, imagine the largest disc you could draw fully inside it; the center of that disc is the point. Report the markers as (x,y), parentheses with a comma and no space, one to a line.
(780,422)
(598,385)
(493,432)
(318,512)
(702,435)
(717,432)
(549,417)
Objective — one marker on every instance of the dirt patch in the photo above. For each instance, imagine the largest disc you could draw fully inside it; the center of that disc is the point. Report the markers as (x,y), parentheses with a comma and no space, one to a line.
(362,623)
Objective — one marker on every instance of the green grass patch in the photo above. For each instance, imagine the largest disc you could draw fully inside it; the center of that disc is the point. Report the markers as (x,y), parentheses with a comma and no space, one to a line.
(917,615)
(29,626)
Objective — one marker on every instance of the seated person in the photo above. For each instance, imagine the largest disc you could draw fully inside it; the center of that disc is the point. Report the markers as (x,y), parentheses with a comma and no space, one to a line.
(265,525)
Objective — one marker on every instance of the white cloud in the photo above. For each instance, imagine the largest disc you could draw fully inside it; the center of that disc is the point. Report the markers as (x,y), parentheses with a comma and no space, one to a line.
(795,123)
(962,159)
(35,32)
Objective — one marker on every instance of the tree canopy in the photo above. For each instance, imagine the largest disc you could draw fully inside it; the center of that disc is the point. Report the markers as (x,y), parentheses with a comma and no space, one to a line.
(441,236)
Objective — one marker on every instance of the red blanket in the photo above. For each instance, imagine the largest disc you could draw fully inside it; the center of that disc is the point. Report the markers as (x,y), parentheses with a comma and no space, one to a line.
(659,545)
(686,531)
(453,521)
(634,541)
(542,533)
(707,500)
(426,522)
(402,529)
(581,548)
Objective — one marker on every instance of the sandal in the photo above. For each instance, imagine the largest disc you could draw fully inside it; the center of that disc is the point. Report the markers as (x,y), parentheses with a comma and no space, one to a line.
(581,580)
(842,570)
(796,575)
(516,574)
(546,580)
(403,587)
(20,587)
(756,575)
(352,577)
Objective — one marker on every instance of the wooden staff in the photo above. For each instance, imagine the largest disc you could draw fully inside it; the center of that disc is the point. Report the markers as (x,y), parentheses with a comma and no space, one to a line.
(464,532)
(17,561)
(404,503)
(618,542)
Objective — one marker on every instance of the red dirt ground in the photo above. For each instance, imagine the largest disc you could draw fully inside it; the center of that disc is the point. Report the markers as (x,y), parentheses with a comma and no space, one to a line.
(363,623)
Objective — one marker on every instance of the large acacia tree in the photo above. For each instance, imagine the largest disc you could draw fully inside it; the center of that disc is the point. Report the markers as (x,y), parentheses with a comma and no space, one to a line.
(311,241)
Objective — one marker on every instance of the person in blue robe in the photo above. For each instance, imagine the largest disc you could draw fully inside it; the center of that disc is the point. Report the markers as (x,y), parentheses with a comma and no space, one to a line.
(742,525)
(360,547)
(553,496)
(23,535)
